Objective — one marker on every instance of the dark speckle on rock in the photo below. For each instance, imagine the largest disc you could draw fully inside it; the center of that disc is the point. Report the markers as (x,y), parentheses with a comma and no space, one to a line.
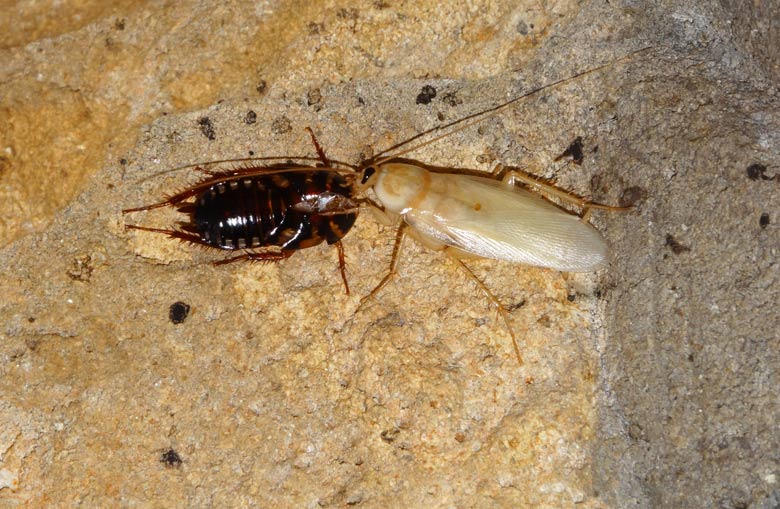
(207,128)
(178,312)
(452,99)
(675,246)
(631,196)
(281,125)
(171,459)
(348,14)
(522,27)
(757,171)
(81,269)
(314,28)
(574,151)
(389,435)
(314,98)
(426,95)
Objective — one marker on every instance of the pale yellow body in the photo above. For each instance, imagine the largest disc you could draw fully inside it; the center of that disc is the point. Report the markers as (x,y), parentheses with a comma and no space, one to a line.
(484,217)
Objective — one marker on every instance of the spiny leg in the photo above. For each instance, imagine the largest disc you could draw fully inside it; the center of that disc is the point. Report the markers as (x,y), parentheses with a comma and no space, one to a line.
(497,170)
(586,206)
(320,152)
(342,264)
(176,234)
(170,201)
(267,256)
(492,298)
(399,239)
(362,204)
(166,203)
(544,187)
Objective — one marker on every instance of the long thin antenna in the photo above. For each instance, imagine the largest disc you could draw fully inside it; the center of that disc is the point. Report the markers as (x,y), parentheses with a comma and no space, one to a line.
(475,118)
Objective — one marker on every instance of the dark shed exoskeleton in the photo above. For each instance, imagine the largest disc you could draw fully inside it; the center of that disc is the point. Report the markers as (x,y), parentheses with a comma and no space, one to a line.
(252,209)
(284,209)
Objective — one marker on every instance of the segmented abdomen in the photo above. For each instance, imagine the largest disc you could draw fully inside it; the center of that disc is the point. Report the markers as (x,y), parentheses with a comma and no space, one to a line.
(238,214)
(260,211)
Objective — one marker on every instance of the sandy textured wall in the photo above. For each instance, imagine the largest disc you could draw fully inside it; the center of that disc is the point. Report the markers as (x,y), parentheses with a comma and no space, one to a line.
(650,384)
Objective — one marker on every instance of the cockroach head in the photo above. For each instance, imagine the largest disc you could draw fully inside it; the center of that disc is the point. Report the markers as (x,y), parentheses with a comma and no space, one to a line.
(367,177)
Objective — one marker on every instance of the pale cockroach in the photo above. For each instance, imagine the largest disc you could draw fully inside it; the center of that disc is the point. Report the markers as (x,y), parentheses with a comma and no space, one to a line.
(466,216)
(469,216)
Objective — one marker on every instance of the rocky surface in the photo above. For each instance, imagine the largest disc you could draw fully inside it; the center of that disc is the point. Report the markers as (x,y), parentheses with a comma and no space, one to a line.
(649,384)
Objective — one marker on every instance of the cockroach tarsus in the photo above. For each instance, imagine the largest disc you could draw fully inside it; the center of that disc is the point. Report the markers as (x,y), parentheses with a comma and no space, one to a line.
(290,207)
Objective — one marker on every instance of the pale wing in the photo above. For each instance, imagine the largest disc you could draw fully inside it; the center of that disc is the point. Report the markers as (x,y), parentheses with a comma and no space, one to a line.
(487,218)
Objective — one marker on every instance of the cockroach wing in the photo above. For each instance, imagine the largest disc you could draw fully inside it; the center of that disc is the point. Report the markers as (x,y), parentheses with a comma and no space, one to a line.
(490,219)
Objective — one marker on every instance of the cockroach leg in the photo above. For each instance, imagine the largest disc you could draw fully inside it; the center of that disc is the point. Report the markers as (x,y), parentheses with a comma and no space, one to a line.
(379,214)
(171,201)
(586,213)
(342,264)
(320,152)
(492,298)
(497,171)
(399,239)
(353,210)
(514,176)
(176,234)
(264,256)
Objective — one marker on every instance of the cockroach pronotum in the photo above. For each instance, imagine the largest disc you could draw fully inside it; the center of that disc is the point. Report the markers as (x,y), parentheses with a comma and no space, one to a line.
(293,207)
